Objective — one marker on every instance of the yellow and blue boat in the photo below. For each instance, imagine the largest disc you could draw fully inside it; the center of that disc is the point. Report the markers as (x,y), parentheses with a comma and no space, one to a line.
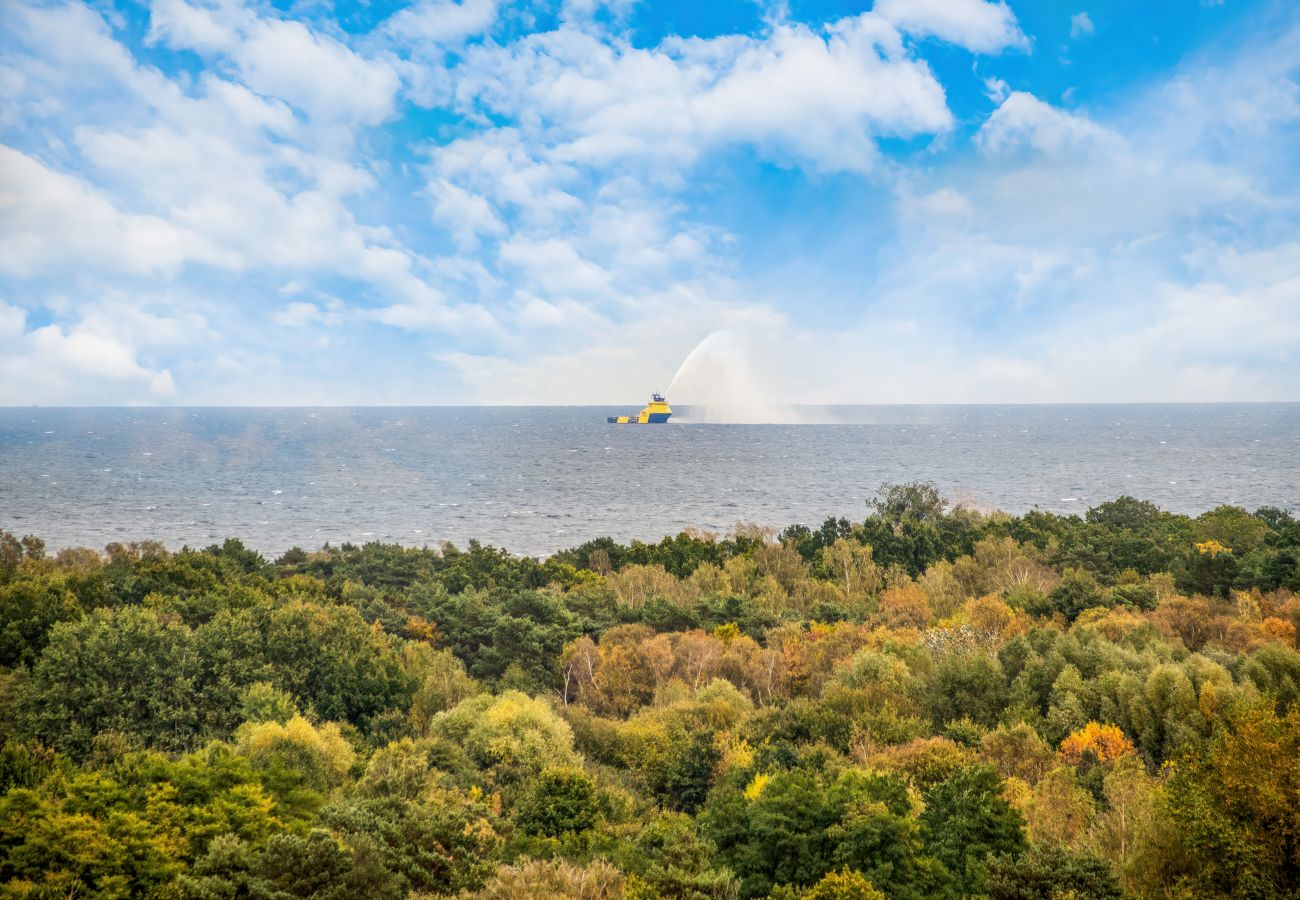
(655,412)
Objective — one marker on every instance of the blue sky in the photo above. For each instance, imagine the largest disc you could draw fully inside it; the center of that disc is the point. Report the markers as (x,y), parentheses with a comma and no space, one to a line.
(560,202)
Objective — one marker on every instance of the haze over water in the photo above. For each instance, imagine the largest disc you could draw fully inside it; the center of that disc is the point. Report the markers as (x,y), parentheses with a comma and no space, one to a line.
(537,479)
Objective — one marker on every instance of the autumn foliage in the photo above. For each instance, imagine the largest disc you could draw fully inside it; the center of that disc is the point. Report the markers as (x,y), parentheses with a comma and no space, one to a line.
(1103,742)
(927,702)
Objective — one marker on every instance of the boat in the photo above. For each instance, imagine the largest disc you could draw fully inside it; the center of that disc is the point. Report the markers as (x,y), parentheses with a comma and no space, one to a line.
(655,412)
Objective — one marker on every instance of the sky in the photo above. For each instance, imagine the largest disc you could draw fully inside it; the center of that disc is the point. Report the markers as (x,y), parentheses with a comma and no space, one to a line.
(483,202)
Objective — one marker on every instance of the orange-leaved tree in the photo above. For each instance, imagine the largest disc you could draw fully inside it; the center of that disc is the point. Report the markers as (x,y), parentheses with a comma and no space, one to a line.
(1105,742)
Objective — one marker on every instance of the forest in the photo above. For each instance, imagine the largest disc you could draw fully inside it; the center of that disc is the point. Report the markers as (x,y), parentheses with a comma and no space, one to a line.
(932,701)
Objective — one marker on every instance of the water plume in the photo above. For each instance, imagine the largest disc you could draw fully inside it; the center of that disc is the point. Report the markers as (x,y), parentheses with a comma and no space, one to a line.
(718,384)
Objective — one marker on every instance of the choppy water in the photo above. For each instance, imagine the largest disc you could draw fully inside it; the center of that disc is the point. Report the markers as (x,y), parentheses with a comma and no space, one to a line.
(535,479)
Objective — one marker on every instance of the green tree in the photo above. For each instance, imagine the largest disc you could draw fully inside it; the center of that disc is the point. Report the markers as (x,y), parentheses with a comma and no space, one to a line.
(878,837)
(675,861)
(1233,527)
(445,844)
(1207,567)
(319,866)
(967,820)
(907,526)
(684,779)
(970,686)
(777,837)
(1077,591)
(558,801)
(1051,873)
(795,826)
(330,658)
(129,670)
(263,702)
(29,608)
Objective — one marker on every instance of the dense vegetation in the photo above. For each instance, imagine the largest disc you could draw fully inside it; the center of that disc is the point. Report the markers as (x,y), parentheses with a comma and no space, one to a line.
(931,702)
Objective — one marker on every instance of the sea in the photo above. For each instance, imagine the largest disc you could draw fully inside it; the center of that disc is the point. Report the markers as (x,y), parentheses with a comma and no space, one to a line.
(537,479)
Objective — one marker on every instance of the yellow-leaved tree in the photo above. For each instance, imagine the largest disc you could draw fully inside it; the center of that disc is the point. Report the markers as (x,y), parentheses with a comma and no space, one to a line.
(1105,742)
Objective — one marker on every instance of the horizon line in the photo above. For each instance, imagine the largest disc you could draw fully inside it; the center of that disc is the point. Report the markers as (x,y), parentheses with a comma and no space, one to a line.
(405,405)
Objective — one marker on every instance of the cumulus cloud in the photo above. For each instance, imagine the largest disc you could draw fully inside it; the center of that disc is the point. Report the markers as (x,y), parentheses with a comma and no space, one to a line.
(973,24)
(441,22)
(467,216)
(500,165)
(823,99)
(80,364)
(38,207)
(577,198)
(318,75)
(227,175)
(1081,240)
(1081,26)
(181,24)
(564,186)
(299,313)
(555,267)
(1024,121)
(816,99)
(315,73)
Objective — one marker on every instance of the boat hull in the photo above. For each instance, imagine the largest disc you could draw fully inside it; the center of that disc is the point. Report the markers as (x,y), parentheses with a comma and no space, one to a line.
(653,419)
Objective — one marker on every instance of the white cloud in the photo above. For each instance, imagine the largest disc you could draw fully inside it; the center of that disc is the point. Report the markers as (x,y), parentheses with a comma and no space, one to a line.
(211,172)
(567,315)
(208,29)
(315,73)
(942,205)
(996,89)
(145,322)
(73,69)
(465,215)
(823,100)
(38,207)
(1081,26)
(1060,177)
(442,22)
(79,364)
(12,320)
(1019,275)
(799,96)
(228,198)
(433,313)
(577,195)
(283,59)
(1024,121)
(300,313)
(973,24)
(555,267)
(574,173)
(88,354)
(500,166)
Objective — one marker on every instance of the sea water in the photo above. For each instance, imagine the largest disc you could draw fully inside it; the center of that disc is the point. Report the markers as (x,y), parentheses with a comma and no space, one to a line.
(536,479)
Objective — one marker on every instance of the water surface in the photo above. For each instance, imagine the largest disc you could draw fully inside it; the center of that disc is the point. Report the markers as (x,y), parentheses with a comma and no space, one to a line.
(535,479)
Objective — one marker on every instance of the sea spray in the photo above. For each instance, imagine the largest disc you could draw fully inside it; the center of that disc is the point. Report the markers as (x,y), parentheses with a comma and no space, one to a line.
(718,384)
